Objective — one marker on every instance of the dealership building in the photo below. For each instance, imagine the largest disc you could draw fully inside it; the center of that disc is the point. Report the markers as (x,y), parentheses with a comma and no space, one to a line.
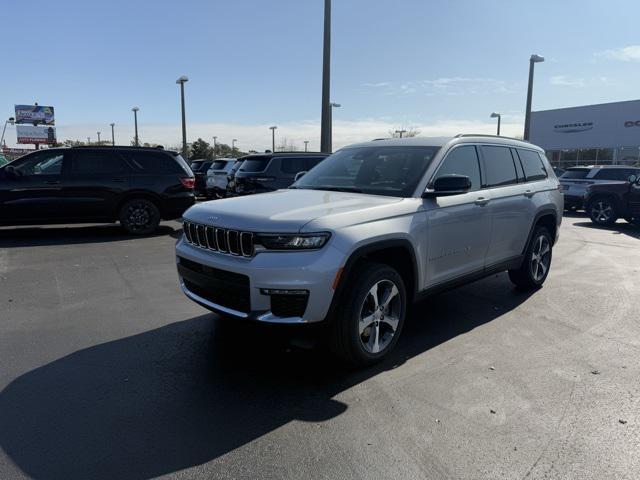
(604,134)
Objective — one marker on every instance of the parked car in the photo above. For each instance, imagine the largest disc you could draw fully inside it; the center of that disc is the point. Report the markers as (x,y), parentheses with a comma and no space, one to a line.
(606,202)
(217,177)
(3,160)
(272,171)
(199,168)
(558,171)
(231,177)
(135,186)
(369,230)
(575,181)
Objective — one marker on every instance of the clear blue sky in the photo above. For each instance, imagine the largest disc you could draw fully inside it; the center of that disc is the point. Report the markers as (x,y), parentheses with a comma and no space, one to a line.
(253,62)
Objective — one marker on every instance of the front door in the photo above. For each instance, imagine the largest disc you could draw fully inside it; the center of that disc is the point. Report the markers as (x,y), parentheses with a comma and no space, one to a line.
(33,192)
(459,226)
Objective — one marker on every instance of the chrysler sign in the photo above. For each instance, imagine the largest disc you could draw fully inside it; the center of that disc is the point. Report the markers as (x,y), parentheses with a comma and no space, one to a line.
(631,123)
(573,127)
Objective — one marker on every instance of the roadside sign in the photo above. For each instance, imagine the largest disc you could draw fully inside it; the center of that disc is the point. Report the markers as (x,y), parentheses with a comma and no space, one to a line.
(34,115)
(35,135)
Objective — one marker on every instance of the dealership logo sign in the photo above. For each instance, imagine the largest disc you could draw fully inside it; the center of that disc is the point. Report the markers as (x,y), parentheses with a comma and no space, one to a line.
(573,127)
(631,123)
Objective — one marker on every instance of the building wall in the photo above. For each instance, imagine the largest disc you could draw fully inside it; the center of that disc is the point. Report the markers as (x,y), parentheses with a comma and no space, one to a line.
(608,133)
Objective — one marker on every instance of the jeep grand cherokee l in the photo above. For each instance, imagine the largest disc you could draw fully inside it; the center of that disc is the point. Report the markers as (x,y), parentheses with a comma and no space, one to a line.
(575,181)
(606,202)
(135,186)
(369,230)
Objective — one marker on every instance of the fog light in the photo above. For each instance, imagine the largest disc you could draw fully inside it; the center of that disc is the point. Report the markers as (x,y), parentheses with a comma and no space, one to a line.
(277,291)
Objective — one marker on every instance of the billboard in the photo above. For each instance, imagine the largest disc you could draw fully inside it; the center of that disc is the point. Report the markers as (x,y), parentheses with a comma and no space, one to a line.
(35,135)
(607,125)
(34,114)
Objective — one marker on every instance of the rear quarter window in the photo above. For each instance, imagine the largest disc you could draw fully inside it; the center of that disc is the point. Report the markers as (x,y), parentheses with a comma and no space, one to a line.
(532,165)
(254,165)
(155,163)
(575,173)
(292,165)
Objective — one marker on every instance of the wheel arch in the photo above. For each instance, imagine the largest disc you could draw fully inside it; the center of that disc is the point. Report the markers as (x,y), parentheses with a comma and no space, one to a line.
(548,218)
(145,194)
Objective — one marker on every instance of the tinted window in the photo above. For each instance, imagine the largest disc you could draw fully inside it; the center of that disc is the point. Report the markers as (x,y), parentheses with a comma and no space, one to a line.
(462,161)
(312,162)
(197,166)
(89,162)
(499,167)
(155,162)
(252,165)
(393,171)
(575,173)
(45,163)
(219,165)
(293,165)
(621,174)
(532,165)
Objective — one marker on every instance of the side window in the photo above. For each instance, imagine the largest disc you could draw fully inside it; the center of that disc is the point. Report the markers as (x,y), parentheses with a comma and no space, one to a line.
(293,165)
(621,174)
(45,163)
(96,162)
(152,163)
(498,166)
(532,165)
(312,162)
(462,161)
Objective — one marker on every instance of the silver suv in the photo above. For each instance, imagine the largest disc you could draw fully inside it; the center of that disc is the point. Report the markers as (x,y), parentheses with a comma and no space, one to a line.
(370,229)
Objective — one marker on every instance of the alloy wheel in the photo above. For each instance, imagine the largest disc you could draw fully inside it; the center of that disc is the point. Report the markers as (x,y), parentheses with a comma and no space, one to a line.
(139,216)
(379,316)
(601,211)
(540,257)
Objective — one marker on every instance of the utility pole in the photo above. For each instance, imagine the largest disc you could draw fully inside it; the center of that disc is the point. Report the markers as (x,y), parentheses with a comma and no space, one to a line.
(135,120)
(273,138)
(306,145)
(401,132)
(181,81)
(527,117)
(113,135)
(325,127)
(98,137)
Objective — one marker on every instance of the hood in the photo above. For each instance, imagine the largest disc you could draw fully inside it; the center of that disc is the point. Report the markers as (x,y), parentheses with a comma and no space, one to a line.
(291,210)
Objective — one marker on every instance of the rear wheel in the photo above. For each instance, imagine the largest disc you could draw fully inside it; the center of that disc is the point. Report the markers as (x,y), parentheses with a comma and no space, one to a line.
(140,216)
(369,326)
(537,261)
(602,211)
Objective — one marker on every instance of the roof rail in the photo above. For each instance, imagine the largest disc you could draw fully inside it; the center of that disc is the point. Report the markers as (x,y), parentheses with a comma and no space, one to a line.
(489,135)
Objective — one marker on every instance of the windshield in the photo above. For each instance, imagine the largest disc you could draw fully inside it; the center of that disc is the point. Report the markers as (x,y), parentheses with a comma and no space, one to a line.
(219,165)
(392,171)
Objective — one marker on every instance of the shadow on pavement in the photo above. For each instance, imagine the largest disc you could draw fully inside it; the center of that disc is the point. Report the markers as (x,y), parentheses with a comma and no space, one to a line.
(618,228)
(70,235)
(191,391)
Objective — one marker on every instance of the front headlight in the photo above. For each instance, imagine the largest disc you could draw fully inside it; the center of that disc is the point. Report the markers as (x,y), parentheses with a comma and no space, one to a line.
(303,241)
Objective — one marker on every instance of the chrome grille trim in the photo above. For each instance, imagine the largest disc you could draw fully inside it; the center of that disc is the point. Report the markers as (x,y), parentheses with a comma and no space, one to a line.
(233,242)
(223,240)
(246,244)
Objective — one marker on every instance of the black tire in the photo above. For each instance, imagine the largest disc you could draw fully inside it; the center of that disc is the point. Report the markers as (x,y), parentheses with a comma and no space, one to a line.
(346,340)
(139,216)
(603,211)
(529,276)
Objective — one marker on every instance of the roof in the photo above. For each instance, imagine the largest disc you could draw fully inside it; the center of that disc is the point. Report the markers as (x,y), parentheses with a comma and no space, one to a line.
(281,154)
(442,141)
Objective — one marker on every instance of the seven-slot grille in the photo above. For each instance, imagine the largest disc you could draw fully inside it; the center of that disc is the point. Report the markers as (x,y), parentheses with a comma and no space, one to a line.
(222,240)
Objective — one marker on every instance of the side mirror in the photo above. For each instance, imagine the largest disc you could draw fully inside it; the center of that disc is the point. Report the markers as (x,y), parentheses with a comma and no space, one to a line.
(633,178)
(298,176)
(448,185)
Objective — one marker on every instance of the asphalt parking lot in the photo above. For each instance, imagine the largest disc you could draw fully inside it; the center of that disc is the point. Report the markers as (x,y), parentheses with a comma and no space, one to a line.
(108,372)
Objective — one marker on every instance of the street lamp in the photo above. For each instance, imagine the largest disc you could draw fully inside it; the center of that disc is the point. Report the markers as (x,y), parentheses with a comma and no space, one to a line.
(215,146)
(113,135)
(273,138)
(306,145)
(181,81)
(527,117)
(88,140)
(233,146)
(10,120)
(98,137)
(331,107)
(498,116)
(325,126)
(135,120)
(401,132)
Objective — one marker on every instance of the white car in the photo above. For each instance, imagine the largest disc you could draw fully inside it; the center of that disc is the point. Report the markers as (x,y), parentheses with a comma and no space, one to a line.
(217,177)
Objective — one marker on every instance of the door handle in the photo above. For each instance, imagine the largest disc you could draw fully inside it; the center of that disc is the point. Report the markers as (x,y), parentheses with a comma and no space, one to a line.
(529,193)
(482,201)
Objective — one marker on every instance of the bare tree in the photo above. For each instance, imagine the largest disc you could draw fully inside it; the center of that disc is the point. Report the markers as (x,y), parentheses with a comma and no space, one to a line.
(287,146)
(406,132)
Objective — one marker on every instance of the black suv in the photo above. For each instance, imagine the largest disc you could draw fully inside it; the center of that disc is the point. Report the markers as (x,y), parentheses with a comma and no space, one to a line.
(136,186)
(199,168)
(272,171)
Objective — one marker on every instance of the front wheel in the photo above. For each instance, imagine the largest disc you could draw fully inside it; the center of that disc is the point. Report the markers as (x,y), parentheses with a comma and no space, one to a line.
(602,211)
(371,316)
(537,261)
(140,216)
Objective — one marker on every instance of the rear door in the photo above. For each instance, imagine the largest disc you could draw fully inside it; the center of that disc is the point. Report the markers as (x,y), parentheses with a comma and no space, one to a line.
(94,181)
(35,192)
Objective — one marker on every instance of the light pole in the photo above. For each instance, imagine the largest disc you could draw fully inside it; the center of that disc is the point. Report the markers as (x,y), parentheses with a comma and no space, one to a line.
(215,146)
(306,145)
(113,135)
(233,147)
(181,81)
(98,137)
(10,120)
(135,120)
(325,127)
(401,132)
(527,116)
(331,107)
(88,140)
(498,116)
(273,138)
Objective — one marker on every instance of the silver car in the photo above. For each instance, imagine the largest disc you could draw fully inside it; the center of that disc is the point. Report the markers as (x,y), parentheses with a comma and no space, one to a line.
(217,177)
(370,229)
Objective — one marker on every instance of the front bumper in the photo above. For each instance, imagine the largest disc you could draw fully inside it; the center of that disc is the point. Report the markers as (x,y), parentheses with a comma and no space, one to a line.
(313,271)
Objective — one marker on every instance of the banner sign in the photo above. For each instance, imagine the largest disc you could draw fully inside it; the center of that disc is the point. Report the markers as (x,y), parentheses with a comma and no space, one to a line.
(34,114)
(35,135)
